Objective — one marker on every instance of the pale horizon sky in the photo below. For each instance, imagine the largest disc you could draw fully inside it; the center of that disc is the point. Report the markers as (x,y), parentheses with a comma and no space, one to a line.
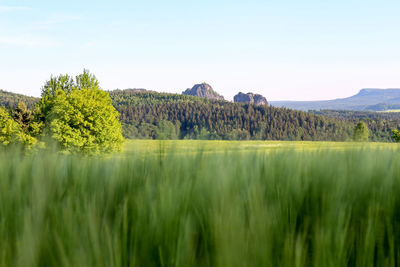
(282,49)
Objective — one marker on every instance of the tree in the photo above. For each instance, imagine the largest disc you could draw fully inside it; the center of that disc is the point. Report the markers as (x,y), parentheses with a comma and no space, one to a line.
(62,82)
(396,135)
(79,116)
(167,130)
(23,116)
(11,132)
(147,131)
(130,131)
(361,132)
(203,134)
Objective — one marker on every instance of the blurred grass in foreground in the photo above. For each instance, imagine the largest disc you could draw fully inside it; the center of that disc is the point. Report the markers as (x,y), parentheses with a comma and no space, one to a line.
(282,207)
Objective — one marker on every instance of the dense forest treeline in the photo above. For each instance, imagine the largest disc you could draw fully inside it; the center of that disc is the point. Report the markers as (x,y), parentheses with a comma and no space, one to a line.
(146,114)
(380,124)
(11,100)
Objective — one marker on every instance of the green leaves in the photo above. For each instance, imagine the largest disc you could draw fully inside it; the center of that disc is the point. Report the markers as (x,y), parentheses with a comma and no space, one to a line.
(78,115)
(83,119)
(62,82)
(11,132)
(396,135)
(361,132)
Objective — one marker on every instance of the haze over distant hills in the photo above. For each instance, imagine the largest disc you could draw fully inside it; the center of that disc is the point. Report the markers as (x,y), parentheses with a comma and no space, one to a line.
(365,100)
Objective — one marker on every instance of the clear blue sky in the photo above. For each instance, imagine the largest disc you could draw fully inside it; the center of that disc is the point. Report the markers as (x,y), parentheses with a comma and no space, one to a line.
(283,49)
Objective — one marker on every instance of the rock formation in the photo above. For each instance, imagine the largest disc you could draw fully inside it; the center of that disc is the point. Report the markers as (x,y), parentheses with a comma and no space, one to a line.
(203,90)
(250,98)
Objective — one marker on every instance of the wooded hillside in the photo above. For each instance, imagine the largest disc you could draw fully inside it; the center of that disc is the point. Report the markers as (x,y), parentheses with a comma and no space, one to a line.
(146,114)
(142,112)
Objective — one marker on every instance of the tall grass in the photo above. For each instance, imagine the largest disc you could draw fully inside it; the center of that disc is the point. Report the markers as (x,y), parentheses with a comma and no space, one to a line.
(282,208)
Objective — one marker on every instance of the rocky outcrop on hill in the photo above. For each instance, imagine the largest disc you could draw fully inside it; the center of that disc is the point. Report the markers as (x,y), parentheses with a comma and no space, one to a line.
(203,90)
(250,98)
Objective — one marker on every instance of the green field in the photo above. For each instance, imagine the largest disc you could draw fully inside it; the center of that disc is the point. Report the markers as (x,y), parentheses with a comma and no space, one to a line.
(194,146)
(203,203)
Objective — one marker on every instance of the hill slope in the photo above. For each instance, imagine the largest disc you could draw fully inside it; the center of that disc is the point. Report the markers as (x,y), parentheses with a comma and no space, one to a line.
(366,99)
(146,114)
(11,100)
(143,112)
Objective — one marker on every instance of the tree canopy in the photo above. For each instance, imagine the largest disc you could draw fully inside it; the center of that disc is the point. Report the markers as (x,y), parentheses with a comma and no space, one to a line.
(74,113)
(85,120)
(201,118)
(361,132)
(80,116)
(396,136)
(11,132)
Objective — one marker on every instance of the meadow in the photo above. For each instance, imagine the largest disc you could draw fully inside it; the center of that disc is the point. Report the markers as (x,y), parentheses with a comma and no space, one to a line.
(203,203)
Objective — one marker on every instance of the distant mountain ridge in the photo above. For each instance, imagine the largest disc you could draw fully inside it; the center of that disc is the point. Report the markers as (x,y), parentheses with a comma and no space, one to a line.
(370,99)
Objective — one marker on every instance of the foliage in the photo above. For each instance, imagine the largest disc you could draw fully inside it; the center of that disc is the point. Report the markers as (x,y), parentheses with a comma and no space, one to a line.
(222,119)
(167,130)
(237,134)
(81,116)
(203,134)
(129,131)
(236,208)
(23,116)
(147,131)
(141,111)
(75,113)
(62,82)
(396,135)
(10,100)
(361,132)
(11,132)
(380,124)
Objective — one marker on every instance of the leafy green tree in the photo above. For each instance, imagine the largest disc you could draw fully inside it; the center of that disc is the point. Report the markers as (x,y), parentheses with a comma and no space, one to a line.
(167,130)
(396,135)
(11,132)
(42,109)
(203,134)
(237,134)
(62,82)
(147,131)
(23,116)
(79,115)
(361,132)
(130,131)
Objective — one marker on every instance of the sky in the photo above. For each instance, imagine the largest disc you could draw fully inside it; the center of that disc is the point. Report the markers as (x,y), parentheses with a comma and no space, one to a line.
(282,49)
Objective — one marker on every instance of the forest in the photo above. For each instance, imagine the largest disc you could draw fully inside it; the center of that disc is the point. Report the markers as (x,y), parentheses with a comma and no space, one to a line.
(380,124)
(159,115)
(152,115)
(11,100)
